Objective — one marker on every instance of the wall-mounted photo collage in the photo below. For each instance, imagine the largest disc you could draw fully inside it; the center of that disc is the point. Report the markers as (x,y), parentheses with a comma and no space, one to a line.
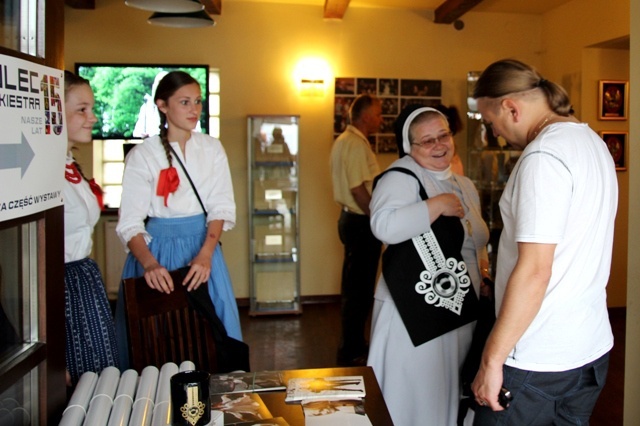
(394,93)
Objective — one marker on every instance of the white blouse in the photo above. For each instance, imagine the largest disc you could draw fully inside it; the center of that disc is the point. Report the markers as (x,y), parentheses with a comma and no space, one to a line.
(206,161)
(81,213)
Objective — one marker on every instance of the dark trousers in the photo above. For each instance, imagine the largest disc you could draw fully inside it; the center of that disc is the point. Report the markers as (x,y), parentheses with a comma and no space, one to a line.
(549,399)
(361,256)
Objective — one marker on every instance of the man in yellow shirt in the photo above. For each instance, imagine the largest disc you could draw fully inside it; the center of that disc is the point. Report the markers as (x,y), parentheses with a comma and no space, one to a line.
(353,168)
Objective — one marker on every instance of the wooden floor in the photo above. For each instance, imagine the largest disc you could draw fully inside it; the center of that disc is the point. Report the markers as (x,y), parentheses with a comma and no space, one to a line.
(310,340)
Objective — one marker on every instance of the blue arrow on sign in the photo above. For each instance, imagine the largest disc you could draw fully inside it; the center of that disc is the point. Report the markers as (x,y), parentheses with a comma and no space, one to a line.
(16,155)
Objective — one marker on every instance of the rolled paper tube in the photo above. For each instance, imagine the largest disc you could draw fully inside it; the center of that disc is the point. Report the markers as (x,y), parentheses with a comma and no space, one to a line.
(187,366)
(99,410)
(84,390)
(121,411)
(161,414)
(123,402)
(141,412)
(148,384)
(21,416)
(9,403)
(127,384)
(163,394)
(108,382)
(73,416)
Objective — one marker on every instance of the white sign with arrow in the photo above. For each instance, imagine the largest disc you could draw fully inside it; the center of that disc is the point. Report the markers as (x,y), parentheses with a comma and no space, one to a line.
(33,139)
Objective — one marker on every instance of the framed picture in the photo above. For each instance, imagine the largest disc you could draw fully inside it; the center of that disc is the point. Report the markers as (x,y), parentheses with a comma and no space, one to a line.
(613,96)
(617,144)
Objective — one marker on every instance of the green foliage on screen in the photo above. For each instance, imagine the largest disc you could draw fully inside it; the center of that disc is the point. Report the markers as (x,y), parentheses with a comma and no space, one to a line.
(121,90)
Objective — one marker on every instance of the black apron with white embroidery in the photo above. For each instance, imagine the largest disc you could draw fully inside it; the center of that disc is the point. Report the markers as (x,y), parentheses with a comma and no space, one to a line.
(428,280)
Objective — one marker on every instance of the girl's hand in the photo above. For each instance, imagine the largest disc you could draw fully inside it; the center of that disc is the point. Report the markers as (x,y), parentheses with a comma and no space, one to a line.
(158,278)
(199,272)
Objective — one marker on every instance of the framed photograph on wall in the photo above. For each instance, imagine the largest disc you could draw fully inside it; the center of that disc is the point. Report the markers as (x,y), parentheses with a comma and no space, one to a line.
(613,98)
(617,144)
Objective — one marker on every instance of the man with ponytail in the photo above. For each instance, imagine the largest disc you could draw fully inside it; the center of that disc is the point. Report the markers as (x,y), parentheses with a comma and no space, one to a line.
(550,345)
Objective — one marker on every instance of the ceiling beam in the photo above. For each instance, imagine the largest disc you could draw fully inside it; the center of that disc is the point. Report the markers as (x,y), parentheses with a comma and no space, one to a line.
(212,7)
(81,4)
(335,9)
(451,10)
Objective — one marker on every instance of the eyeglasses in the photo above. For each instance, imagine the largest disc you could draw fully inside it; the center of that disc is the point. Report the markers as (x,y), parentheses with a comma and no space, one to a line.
(431,142)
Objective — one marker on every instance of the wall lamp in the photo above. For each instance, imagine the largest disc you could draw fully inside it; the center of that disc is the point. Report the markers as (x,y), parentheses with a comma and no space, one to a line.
(310,75)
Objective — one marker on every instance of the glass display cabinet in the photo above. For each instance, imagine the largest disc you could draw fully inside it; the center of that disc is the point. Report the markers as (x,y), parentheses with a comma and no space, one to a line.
(490,161)
(274,258)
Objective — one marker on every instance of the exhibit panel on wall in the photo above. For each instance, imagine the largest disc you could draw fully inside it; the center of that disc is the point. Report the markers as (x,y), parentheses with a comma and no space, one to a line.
(394,94)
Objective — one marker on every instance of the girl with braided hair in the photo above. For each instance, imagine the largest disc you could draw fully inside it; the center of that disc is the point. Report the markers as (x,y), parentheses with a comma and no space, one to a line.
(90,333)
(183,226)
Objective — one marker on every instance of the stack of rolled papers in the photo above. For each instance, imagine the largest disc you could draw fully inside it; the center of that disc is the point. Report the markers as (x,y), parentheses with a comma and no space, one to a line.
(162,410)
(76,411)
(12,413)
(124,399)
(102,401)
(143,404)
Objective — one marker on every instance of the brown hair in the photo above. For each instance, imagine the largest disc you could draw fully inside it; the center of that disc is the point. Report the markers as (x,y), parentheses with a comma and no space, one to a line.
(169,84)
(72,80)
(510,76)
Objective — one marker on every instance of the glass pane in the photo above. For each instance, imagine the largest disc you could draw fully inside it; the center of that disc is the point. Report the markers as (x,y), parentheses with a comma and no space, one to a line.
(112,150)
(22,26)
(19,403)
(214,104)
(112,195)
(214,127)
(214,82)
(10,23)
(18,289)
(112,173)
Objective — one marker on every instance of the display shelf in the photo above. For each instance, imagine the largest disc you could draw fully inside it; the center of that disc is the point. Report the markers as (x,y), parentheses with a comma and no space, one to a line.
(274,257)
(490,161)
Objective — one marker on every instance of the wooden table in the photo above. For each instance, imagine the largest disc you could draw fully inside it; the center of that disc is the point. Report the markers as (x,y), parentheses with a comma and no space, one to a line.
(374,404)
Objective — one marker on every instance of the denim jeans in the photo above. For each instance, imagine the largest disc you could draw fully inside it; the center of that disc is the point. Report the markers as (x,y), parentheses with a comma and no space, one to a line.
(549,398)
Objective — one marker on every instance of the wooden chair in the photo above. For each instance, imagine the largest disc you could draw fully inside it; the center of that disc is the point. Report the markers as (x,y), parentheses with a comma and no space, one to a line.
(165,328)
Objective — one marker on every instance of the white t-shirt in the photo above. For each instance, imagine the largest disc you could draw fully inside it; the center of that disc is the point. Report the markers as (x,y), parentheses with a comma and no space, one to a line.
(562,191)
(206,161)
(81,213)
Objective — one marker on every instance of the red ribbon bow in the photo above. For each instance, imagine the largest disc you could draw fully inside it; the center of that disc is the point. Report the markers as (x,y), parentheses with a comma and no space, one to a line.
(72,174)
(167,183)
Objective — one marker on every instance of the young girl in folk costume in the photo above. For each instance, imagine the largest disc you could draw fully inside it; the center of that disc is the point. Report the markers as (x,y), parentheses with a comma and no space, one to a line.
(90,342)
(179,232)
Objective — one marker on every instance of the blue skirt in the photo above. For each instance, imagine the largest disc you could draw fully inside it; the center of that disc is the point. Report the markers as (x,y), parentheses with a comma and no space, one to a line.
(176,241)
(90,340)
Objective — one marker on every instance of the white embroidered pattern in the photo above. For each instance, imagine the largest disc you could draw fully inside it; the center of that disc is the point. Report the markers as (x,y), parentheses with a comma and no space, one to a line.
(444,282)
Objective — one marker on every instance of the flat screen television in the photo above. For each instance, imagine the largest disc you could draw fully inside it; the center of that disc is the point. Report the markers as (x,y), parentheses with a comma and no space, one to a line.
(124,97)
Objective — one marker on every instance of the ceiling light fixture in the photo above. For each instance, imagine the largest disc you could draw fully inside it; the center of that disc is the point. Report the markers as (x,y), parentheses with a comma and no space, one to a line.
(182,20)
(167,6)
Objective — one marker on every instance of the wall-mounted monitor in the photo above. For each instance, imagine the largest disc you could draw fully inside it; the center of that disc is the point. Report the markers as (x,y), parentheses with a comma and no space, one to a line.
(124,97)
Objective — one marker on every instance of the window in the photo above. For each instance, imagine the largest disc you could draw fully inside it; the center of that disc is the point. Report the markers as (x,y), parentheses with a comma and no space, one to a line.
(108,155)
(22,26)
